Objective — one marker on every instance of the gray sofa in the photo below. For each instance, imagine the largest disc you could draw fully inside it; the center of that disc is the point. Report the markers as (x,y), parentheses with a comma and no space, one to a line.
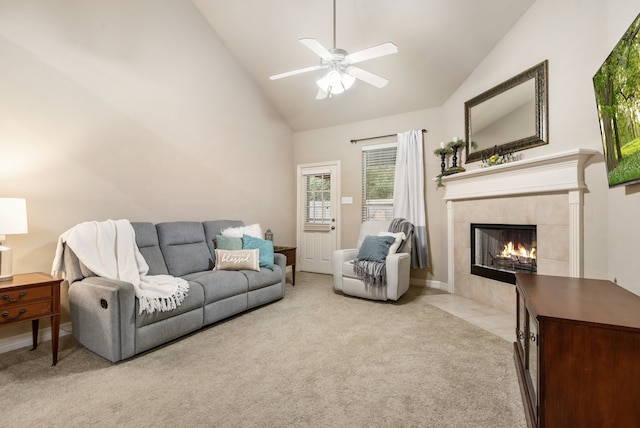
(104,312)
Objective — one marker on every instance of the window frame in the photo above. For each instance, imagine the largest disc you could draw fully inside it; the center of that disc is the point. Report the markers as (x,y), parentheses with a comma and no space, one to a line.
(382,204)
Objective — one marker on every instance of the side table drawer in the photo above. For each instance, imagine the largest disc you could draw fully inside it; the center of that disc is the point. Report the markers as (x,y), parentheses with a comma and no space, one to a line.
(290,255)
(18,313)
(15,297)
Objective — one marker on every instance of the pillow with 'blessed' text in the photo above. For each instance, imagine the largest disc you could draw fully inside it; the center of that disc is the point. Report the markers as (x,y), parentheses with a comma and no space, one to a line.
(237,260)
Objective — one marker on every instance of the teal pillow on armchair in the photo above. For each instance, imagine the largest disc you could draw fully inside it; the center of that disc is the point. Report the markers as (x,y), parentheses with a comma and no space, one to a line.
(375,248)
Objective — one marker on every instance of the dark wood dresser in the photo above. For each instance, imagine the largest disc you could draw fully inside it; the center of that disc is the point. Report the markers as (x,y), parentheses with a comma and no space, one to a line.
(577,352)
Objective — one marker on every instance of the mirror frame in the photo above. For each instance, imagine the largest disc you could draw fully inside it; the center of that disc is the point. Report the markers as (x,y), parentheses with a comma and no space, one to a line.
(539,74)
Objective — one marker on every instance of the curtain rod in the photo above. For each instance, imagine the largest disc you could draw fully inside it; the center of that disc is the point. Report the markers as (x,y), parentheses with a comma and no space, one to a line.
(379,136)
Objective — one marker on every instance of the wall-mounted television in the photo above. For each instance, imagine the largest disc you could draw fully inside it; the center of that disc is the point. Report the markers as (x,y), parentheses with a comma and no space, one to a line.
(617,89)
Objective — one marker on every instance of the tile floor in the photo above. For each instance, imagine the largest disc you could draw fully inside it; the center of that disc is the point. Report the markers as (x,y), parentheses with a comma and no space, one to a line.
(500,323)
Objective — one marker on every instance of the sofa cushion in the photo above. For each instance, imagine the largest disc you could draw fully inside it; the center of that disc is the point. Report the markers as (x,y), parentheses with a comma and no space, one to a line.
(219,285)
(147,242)
(263,278)
(194,300)
(266,249)
(252,229)
(228,243)
(184,247)
(214,228)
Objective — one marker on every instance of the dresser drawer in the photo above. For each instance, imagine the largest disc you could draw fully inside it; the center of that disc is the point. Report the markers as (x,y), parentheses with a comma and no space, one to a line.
(15,297)
(24,312)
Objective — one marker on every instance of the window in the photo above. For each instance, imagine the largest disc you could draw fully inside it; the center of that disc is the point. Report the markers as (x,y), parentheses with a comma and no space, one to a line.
(317,188)
(378,174)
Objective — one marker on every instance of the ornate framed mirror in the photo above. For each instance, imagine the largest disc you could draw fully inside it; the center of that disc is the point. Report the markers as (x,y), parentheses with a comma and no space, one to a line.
(509,117)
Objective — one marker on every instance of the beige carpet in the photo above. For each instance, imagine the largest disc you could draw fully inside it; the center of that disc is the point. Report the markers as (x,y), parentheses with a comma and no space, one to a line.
(316,359)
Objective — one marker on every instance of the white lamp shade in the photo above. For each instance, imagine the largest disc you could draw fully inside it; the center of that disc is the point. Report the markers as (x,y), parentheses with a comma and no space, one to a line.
(336,82)
(13,216)
(347,80)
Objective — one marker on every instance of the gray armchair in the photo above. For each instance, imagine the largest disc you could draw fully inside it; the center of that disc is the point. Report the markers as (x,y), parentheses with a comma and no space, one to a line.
(398,266)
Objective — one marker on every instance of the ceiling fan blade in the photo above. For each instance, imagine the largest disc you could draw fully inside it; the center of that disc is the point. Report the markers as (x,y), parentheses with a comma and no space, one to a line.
(365,76)
(321,95)
(370,53)
(294,72)
(315,46)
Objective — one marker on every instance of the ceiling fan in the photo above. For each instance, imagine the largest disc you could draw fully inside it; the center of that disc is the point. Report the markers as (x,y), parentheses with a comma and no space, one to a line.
(339,62)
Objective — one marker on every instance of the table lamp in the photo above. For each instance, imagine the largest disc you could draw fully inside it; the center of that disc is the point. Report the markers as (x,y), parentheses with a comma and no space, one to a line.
(13,220)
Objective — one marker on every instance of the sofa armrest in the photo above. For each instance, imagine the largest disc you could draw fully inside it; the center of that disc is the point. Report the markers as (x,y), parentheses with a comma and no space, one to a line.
(281,260)
(103,316)
(339,257)
(398,273)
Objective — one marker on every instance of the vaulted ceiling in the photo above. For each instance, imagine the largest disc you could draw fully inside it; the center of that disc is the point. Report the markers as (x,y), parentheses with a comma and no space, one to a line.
(440,42)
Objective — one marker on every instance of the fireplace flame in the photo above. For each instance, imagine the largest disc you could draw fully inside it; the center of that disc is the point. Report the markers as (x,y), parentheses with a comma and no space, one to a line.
(519,250)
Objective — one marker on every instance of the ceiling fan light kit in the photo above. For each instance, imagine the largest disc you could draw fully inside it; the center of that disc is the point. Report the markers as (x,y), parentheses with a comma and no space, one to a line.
(342,74)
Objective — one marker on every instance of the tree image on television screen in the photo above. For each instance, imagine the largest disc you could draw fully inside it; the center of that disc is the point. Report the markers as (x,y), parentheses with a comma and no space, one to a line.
(617,90)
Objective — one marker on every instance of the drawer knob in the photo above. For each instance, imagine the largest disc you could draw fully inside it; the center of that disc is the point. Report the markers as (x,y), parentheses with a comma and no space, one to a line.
(20,296)
(20,313)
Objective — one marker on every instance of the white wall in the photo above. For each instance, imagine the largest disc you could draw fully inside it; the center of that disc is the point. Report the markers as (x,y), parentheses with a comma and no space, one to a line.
(121,109)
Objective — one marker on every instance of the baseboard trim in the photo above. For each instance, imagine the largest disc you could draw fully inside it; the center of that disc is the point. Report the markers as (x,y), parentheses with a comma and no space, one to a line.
(26,340)
(431,284)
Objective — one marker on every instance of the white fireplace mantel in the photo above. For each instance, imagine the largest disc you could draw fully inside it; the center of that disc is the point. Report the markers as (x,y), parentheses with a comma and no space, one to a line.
(562,171)
(559,172)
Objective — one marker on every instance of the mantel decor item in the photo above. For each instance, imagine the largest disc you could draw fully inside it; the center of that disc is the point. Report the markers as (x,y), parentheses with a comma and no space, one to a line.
(13,221)
(268,235)
(498,157)
(450,148)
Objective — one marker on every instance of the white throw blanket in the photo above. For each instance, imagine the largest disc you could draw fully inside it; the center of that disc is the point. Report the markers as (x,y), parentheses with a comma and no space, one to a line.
(108,249)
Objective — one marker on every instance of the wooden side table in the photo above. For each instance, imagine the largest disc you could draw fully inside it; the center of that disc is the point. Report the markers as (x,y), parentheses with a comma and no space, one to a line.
(29,297)
(290,254)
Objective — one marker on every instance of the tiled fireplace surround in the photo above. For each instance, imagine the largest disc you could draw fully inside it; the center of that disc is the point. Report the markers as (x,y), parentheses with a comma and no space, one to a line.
(546,191)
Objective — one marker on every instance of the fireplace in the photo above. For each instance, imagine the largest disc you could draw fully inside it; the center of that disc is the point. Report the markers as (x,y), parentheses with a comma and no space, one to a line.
(498,251)
(547,191)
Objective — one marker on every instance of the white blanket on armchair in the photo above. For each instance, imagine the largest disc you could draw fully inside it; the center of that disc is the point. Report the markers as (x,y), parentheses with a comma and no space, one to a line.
(108,248)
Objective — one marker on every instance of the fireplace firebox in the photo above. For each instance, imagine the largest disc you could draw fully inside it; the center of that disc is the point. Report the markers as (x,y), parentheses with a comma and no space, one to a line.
(498,251)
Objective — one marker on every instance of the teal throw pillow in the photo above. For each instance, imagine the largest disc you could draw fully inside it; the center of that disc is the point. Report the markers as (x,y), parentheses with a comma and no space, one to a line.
(228,243)
(265,248)
(375,248)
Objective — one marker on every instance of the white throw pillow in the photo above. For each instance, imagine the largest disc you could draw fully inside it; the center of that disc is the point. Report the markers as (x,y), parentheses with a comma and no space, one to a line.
(252,230)
(400,236)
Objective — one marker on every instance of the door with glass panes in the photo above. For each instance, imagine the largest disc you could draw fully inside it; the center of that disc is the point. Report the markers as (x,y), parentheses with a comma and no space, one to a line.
(318,207)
